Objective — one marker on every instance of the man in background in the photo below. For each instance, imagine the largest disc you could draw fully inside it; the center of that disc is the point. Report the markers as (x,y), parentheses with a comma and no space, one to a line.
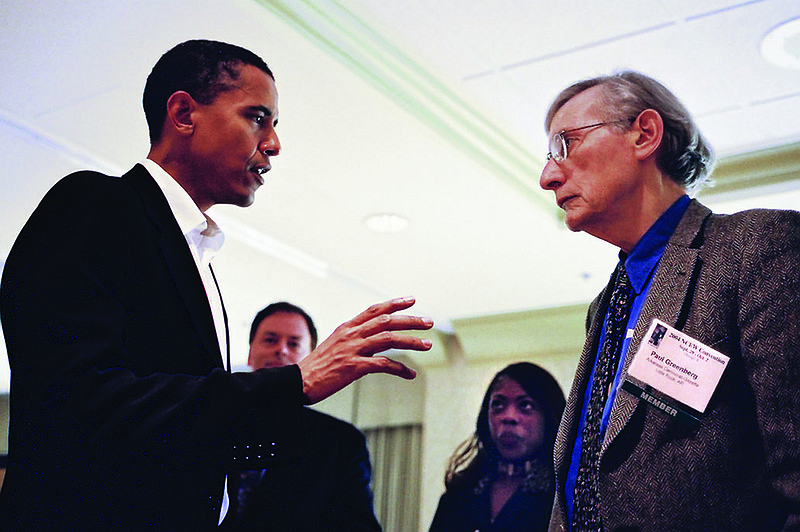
(330,487)
(124,413)
(701,430)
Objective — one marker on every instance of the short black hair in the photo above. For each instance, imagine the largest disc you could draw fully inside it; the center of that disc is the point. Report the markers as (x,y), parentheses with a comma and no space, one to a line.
(283,306)
(202,68)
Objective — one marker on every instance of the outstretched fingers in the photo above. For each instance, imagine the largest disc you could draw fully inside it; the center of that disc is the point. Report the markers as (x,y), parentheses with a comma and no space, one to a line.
(378,309)
(386,365)
(347,354)
(385,340)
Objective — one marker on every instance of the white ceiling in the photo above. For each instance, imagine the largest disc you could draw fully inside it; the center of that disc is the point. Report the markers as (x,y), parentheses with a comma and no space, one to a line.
(429,109)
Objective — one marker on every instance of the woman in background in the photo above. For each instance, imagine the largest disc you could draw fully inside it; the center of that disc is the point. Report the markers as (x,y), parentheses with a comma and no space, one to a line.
(501,478)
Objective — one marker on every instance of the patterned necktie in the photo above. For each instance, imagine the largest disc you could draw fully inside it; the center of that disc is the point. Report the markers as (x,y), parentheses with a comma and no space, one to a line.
(586,508)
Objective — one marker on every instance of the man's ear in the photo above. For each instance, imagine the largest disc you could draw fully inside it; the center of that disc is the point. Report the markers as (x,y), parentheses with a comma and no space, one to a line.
(250,361)
(648,131)
(180,107)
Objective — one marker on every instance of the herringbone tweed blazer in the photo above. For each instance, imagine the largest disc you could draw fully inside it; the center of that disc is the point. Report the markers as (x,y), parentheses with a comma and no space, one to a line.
(733,283)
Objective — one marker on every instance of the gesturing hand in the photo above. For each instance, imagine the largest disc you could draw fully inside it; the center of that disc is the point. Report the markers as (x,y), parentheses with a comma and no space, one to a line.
(347,353)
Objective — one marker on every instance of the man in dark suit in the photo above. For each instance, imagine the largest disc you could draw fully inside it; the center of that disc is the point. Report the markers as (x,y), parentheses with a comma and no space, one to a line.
(329,489)
(636,450)
(122,414)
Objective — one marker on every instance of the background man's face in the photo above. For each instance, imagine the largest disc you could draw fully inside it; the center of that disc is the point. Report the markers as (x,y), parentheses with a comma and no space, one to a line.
(281,339)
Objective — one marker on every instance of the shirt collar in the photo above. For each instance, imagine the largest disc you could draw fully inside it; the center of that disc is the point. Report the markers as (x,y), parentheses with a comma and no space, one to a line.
(644,256)
(185,210)
(194,223)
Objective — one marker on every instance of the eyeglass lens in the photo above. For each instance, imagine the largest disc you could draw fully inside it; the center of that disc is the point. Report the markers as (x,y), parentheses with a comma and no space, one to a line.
(558,150)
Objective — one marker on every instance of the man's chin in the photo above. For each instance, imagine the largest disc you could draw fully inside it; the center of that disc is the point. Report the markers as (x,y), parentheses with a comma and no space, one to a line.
(245,200)
(573,222)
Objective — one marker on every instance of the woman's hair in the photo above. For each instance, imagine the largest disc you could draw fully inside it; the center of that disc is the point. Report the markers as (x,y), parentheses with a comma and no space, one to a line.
(477,455)
(684,154)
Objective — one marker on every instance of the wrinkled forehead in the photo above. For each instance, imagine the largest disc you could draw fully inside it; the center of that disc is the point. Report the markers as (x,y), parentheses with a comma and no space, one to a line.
(584,108)
(285,324)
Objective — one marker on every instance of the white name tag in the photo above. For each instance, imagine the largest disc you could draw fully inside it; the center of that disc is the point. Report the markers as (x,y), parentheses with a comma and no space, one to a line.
(678,365)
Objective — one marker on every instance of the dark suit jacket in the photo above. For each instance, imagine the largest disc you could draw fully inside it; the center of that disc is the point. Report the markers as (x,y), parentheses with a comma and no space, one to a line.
(122,416)
(733,283)
(329,491)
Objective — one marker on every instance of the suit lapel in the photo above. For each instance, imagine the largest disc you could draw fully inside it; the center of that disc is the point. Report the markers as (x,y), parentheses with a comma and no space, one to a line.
(179,259)
(679,264)
(568,429)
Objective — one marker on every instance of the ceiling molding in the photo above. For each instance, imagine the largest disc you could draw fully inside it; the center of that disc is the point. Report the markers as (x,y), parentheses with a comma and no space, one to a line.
(439,353)
(81,157)
(754,170)
(532,333)
(431,100)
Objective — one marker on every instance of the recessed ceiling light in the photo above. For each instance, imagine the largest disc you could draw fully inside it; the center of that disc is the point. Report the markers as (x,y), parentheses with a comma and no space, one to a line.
(386,223)
(781,46)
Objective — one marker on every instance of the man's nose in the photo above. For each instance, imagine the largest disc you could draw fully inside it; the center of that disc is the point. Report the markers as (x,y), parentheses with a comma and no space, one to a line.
(271,145)
(551,177)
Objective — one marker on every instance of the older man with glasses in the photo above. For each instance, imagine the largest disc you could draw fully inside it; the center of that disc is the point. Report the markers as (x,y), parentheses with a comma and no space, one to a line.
(699,430)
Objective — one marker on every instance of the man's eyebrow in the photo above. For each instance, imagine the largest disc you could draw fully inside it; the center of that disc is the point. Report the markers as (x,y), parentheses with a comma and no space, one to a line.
(261,109)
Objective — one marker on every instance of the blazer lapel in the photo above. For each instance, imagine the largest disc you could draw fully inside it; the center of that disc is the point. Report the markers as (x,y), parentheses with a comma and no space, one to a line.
(179,259)
(568,429)
(679,265)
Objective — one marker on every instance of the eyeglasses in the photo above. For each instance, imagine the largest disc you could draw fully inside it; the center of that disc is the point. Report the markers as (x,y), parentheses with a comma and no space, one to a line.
(558,144)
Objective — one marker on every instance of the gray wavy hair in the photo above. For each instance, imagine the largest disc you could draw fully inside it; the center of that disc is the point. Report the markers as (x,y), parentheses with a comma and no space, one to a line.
(684,154)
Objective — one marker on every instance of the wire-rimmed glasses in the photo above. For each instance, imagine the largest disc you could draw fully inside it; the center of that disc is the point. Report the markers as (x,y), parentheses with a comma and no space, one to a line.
(558,144)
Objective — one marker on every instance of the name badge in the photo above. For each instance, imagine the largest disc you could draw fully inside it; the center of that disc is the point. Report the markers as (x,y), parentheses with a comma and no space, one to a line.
(678,366)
